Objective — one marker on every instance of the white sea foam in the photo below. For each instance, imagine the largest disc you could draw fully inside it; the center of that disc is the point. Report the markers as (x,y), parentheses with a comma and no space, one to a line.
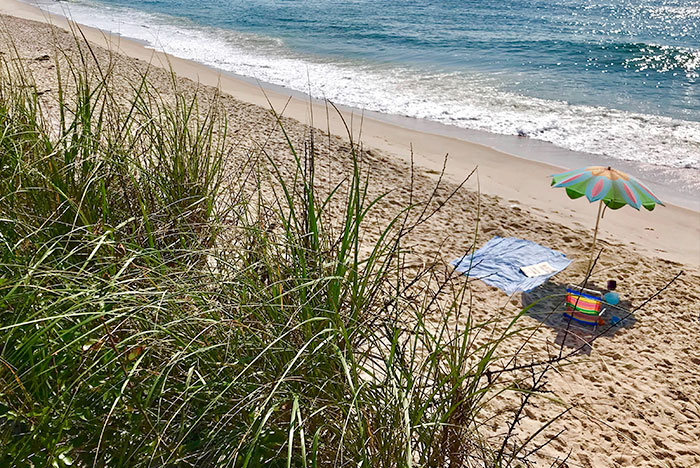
(460,99)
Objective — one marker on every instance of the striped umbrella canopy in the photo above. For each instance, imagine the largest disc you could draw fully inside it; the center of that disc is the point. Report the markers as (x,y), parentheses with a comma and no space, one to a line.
(611,187)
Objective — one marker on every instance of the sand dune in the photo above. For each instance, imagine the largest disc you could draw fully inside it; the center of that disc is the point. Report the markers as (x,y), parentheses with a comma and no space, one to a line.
(632,397)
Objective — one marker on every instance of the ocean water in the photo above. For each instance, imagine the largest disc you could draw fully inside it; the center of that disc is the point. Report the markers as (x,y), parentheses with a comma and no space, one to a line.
(618,78)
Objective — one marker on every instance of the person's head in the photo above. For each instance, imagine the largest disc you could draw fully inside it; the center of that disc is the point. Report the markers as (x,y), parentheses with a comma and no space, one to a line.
(612,285)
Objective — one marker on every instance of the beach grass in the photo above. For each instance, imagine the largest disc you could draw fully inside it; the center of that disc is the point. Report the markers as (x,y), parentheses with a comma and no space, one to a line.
(161,305)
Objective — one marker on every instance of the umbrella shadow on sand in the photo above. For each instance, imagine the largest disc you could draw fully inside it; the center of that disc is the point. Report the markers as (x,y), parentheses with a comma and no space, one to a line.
(548,306)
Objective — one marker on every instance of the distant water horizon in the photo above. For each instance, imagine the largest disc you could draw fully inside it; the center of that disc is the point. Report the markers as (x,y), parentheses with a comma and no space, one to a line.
(620,79)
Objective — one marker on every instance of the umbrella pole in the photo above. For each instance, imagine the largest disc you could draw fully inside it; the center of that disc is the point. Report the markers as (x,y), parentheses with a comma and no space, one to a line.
(595,236)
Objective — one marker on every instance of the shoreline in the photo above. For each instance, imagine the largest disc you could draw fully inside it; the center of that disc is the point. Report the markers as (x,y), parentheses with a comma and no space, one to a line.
(671,232)
(526,148)
(674,184)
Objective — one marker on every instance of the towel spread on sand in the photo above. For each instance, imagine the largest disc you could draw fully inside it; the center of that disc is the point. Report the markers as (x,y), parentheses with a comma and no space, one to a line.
(500,260)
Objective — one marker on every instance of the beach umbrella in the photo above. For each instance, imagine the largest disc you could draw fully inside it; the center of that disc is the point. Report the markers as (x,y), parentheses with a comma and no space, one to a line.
(611,187)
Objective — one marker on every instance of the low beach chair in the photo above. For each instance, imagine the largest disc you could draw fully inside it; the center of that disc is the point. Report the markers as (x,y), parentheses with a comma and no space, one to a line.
(584,306)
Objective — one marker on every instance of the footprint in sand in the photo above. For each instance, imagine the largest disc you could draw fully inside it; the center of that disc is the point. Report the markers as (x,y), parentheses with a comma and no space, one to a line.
(628,435)
(623,460)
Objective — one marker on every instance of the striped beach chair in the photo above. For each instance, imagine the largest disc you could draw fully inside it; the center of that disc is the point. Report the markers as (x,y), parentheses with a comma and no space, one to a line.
(584,306)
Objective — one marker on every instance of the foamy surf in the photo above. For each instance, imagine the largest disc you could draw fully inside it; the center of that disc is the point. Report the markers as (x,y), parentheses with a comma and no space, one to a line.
(460,98)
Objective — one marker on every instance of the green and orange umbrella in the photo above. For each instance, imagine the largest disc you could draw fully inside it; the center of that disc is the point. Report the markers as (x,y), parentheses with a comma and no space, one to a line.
(611,187)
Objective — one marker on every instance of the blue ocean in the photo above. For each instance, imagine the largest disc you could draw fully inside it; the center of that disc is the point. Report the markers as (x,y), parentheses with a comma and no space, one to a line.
(619,78)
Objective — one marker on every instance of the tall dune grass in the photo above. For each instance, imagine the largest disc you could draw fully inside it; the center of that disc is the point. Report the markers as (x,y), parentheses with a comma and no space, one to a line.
(162,306)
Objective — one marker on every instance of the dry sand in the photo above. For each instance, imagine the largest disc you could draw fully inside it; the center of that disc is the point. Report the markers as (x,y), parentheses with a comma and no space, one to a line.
(633,398)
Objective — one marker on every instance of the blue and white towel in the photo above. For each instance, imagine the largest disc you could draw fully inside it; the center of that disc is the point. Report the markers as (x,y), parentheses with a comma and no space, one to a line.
(499,261)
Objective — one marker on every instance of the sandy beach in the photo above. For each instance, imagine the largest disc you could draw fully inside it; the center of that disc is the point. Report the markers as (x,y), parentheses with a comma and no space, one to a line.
(633,398)
(672,232)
